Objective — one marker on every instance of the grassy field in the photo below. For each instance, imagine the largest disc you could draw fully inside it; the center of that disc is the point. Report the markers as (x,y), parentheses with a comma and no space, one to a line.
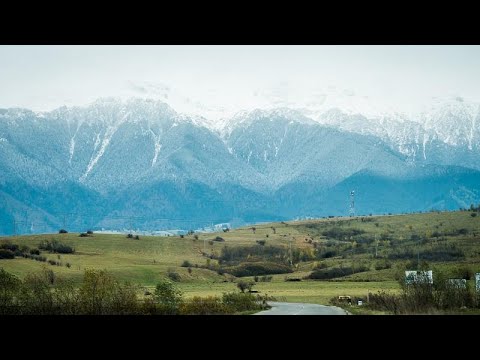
(377,244)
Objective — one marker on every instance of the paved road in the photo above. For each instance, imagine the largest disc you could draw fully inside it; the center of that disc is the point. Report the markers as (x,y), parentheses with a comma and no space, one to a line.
(282,308)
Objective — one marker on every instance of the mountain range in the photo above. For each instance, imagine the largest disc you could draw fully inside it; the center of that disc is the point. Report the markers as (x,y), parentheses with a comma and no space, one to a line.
(138,164)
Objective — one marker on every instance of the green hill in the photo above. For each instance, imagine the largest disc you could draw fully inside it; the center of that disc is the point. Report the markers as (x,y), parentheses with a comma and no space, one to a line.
(326,257)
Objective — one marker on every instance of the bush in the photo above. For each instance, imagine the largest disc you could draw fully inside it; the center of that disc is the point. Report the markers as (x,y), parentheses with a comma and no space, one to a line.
(173,275)
(239,253)
(9,246)
(219,239)
(261,242)
(257,268)
(237,302)
(341,234)
(195,237)
(137,237)
(62,231)
(167,294)
(210,305)
(129,236)
(182,236)
(83,235)
(266,278)
(89,232)
(55,246)
(34,252)
(6,254)
(68,265)
(439,253)
(52,262)
(186,263)
(243,285)
(473,214)
(332,273)
(210,242)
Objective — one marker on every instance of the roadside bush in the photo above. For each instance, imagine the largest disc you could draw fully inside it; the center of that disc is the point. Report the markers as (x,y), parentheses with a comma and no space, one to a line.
(210,305)
(238,302)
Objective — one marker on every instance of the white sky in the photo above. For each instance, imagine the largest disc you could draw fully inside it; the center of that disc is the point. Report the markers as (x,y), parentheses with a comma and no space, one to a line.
(215,81)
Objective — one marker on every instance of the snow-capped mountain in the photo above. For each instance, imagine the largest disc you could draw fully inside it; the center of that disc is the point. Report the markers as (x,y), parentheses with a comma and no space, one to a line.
(117,159)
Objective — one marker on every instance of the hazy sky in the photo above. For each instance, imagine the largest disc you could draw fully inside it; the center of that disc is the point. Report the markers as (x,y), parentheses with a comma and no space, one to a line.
(218,78)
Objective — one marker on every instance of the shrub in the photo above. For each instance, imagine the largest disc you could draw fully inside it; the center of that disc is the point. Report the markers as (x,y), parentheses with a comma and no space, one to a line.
(473,214)
(237,302)
(189,270)
(9,288)
(129,236)
(195,237)
(83,235)
(137,237)
(62,231)
(52,262)
(219,239)
(186,263)
(332,273)
(182,236)
(173,275)
(243,285)
(257,268)
(266,278)
(89,232)
(6,254)
(210,305)
(34,252)
(9,246)
(167,294)
(55,246)
(261,242)
(68,265)
(255,278)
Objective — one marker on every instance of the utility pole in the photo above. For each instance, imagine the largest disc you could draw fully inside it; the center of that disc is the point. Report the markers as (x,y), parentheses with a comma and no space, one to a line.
(291,262)
(352,203)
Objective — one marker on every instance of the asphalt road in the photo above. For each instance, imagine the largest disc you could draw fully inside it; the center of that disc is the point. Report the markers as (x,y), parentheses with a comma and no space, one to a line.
(282,308)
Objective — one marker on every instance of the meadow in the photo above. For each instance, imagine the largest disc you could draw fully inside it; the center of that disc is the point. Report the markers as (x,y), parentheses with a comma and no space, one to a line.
(325,258)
